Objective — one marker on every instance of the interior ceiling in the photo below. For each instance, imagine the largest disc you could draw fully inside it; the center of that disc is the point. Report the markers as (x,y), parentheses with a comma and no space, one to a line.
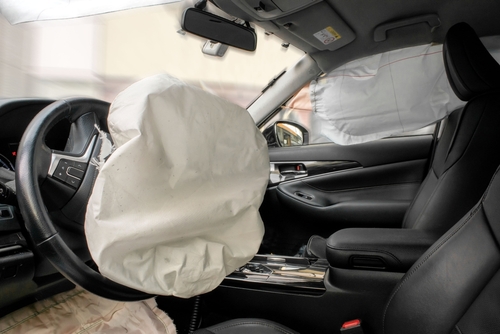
(364,16)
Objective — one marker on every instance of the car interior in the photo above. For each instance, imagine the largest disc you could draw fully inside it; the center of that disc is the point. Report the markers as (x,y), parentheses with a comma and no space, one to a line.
(397,235)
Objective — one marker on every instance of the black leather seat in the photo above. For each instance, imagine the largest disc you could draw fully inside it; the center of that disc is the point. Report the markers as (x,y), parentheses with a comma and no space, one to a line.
(454,287)
(466,155)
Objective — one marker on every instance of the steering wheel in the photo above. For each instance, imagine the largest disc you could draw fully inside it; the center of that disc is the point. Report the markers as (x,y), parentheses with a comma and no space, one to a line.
(71,175)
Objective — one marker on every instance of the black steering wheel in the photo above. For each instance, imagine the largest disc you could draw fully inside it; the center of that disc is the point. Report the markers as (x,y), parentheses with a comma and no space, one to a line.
(70,174)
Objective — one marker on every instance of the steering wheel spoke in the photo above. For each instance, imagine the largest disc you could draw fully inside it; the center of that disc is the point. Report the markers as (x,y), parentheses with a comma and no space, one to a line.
(69,171)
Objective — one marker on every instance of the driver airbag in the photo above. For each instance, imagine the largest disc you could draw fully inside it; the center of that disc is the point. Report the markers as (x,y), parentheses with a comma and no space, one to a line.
(175,207)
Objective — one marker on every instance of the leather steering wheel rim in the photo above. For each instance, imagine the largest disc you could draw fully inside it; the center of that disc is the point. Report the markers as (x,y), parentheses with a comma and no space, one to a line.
(32,165)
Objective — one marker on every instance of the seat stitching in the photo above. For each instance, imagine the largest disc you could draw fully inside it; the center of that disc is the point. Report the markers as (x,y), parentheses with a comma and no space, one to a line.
(455,131)
(412,204)
(417,221)
(445,172)
(473,134)
(279,329)
(437,247)
(428,256)
(430,199)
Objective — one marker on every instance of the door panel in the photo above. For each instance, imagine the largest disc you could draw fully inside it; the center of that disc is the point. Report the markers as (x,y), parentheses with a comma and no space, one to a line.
(374,196)
(373,187)
(379,152)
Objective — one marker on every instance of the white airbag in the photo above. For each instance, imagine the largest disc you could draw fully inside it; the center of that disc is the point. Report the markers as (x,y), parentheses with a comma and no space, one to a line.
(386,94)
(79,312)
(175,207)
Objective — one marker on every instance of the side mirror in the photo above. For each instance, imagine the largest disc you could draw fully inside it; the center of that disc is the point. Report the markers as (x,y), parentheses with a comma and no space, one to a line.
(219,29)
(282,134)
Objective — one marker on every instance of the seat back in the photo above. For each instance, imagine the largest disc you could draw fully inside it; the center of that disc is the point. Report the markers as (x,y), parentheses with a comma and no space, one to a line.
(466,156)
(455,286)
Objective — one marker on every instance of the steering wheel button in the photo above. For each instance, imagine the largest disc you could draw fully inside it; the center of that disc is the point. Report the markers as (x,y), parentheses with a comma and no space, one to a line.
(65,163)
(80,165)
(73,181)
(60,173)
(72,171)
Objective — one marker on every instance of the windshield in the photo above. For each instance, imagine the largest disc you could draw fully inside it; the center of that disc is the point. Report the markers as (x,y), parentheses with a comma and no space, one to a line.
(99,56)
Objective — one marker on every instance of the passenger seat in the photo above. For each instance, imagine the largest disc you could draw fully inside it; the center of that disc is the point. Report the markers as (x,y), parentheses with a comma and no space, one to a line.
(467,154)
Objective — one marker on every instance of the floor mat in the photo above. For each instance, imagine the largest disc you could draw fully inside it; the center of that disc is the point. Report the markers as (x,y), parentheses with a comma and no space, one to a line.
(79,312)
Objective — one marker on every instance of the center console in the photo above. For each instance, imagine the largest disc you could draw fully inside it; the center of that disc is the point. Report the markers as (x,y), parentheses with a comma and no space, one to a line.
(361,270)
(295,291)
(281,274)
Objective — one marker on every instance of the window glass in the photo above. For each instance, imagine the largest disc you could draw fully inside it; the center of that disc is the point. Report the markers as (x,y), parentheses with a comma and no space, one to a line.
(299,110)
(99,56)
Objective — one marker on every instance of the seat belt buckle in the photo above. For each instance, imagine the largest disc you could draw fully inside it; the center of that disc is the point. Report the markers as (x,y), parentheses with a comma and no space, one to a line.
(352,327)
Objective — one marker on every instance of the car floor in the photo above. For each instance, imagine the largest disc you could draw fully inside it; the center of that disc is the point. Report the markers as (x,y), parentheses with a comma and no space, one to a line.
(79,311)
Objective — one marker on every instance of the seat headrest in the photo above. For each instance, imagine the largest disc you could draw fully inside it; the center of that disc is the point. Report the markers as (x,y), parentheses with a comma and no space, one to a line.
(470,68)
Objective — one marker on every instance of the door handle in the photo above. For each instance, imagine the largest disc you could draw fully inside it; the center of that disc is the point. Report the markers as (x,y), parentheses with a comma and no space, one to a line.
(283,171)
(293,169)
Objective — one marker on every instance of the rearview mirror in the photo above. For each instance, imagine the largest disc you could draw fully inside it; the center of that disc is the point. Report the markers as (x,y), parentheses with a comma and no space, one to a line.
(218,29)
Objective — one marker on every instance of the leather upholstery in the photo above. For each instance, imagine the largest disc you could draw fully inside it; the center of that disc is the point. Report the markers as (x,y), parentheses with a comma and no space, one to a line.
(465,159)
(471,70)
(378,248)
(454,286)
(316,247)
(456,280)
(466,155)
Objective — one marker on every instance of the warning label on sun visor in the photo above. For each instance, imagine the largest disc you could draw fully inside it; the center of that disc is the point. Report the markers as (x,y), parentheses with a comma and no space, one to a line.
(327,35)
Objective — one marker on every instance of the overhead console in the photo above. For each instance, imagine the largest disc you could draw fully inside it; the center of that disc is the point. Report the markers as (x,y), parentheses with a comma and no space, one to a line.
(310,24)
(270,9)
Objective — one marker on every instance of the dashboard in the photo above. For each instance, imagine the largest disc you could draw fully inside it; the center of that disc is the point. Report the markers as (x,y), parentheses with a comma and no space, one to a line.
(15,115)
(24,275)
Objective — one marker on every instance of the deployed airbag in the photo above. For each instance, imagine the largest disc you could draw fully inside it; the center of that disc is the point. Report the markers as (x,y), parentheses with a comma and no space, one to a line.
(79,312)
(385,94)
(175,207)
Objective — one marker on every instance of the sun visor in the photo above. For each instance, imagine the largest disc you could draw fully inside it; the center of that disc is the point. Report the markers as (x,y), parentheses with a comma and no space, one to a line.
(386,94)
(175,208)
(320,26)
(16,11)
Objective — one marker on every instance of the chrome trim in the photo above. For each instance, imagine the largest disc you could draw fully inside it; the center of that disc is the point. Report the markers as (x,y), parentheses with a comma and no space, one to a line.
(55,158)
(276,270)
(313,168)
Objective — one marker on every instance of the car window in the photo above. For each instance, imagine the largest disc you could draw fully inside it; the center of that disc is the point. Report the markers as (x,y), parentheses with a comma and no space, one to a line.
(101,55)
(298,110)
